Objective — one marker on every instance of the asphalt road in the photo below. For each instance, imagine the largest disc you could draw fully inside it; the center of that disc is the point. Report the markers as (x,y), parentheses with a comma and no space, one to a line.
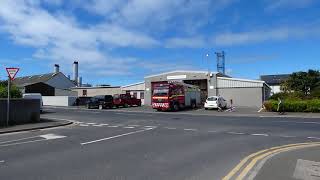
(142,146)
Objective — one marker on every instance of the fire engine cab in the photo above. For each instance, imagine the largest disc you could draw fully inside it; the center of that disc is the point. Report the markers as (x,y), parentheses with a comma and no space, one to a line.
(174,96)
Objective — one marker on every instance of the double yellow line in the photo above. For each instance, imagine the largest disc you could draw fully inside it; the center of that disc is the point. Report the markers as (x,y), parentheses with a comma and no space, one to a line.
(248,163)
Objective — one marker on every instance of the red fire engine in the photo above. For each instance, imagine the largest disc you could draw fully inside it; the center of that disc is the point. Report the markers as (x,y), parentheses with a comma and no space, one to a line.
(174,96)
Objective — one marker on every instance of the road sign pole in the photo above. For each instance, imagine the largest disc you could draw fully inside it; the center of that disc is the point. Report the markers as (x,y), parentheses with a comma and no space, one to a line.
(8,102)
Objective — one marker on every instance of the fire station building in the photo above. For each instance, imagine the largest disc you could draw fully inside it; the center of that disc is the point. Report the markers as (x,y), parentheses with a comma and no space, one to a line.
(242,92)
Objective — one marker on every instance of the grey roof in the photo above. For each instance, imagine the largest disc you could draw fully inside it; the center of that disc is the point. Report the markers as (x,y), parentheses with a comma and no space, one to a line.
(27,80)
(274,79)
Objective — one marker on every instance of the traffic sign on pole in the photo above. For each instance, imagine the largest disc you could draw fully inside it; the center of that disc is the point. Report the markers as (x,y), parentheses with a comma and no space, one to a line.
(12,72)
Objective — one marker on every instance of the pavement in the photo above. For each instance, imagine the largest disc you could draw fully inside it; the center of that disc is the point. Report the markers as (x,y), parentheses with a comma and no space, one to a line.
(119,145)
(44,123)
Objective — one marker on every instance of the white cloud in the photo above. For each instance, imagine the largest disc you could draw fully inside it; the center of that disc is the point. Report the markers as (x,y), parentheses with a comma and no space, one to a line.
(186,42)
(258,36)
(61,39)
(280,4)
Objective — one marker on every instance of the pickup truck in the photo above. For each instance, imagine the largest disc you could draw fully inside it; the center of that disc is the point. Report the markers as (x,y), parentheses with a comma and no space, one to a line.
(125,100)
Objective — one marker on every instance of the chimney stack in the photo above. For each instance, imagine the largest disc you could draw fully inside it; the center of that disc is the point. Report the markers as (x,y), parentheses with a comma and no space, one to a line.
(79,81)
(75,71)
(56,68)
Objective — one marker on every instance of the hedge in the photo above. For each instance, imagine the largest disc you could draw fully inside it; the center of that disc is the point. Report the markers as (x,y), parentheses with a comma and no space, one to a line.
(294,105)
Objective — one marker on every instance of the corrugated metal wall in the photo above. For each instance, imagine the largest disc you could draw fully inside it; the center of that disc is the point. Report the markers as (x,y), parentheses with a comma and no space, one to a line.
(237,83)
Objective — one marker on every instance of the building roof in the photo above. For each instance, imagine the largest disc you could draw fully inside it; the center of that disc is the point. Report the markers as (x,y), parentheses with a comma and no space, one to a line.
(183,71)
(274,79)
(96,87)
(134,84)
(28,80)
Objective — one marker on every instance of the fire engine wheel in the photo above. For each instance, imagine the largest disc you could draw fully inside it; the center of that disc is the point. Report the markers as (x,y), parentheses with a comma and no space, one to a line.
(126,105)
(193,105)
(176,107)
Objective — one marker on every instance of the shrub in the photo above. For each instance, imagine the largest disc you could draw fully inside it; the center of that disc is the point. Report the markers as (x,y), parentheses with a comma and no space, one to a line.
(14,92)
(295,105)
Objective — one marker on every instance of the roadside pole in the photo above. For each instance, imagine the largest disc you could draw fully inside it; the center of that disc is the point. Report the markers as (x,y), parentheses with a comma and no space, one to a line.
(8,102)
(11,75)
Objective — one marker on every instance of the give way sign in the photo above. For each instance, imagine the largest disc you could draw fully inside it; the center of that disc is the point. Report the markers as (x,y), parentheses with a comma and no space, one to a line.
(12,72)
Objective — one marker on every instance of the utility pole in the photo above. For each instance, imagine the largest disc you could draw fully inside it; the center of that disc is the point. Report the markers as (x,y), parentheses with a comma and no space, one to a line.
(8,102)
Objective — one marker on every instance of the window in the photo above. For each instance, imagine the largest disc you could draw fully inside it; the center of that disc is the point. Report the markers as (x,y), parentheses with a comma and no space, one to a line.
(142,95)
(135,94)
(84,92)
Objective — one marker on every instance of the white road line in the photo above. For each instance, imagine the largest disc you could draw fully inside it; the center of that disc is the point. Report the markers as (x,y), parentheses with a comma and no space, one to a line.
(150,126)
(104,124)
(91,123)
(236,133)
(2,161)
(113,126)
(97,125)
(190,129)
(296,122)
(83,125)
(3,142)
(170,128)
(129,127)
(117,136)
(135,125)
(313,137)
(286,136)
(4,145)
(259,134)
(51,136)
(213,131)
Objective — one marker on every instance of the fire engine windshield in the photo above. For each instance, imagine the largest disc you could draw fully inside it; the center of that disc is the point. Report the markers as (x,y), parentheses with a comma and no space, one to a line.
(160,92)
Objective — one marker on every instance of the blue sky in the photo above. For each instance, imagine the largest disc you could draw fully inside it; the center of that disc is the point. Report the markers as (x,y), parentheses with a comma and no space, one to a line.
(119,42)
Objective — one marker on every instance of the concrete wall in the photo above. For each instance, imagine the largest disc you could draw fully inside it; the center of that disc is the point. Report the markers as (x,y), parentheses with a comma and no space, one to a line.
(22,111)
(98,91)
(243,97)
(58,100)
(65,92)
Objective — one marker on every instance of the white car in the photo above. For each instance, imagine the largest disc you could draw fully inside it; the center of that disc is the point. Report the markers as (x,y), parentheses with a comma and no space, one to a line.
(214,102)
(34,96)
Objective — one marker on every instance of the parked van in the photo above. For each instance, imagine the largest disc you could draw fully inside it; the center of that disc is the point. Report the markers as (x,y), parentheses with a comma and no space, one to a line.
(34,96)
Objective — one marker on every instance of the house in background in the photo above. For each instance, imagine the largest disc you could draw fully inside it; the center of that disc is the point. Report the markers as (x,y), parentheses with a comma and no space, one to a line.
(274,81)
(51,84)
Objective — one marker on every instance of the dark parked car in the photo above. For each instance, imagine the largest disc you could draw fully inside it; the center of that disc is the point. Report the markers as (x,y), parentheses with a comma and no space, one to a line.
(100,102)
(125,100)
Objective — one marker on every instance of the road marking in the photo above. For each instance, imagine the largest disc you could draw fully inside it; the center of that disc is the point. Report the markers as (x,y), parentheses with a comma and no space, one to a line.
(259,134)
(237,133)
(2,161)
(104,124)
(51,136)
(296,122)
(313,138)
(170,128)
(117,136)
(83,125)
(190,129)
(129,127)
(246,159)
(213,131)
(91,123)
(134,125)
(33,137)
(307,169)
(286,136)
(113,126)
(150,126)
(251,165)
(97,125)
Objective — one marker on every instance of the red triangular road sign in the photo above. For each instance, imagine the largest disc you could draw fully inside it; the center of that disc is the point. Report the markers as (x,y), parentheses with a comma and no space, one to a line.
(12,72)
